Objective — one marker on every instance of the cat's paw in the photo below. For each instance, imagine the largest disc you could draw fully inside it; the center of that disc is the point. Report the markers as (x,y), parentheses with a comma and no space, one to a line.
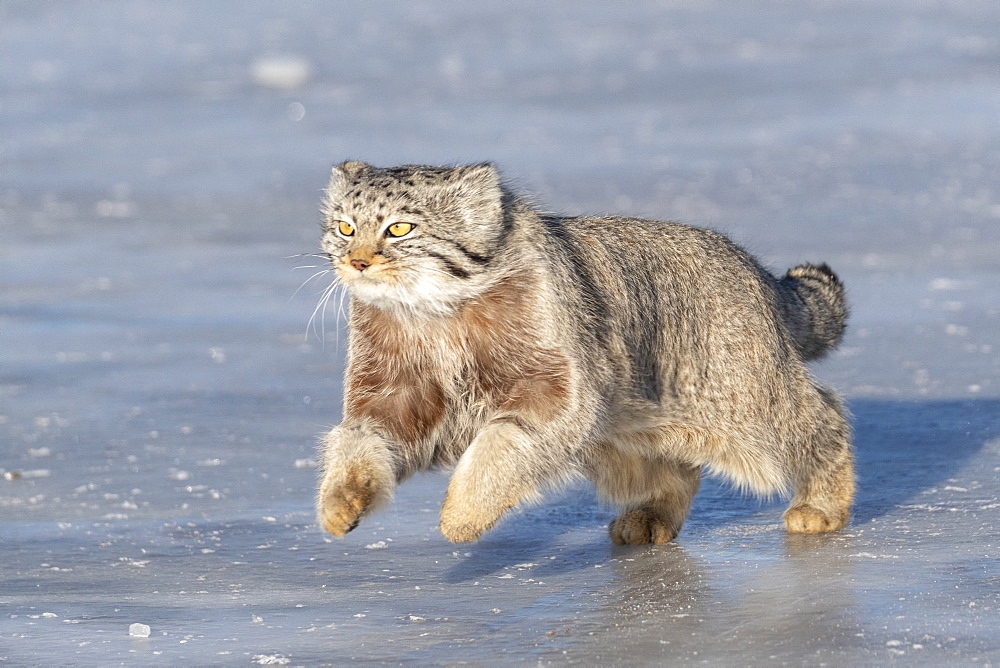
(641,526)
(464,519)
(809,519)
(341,503)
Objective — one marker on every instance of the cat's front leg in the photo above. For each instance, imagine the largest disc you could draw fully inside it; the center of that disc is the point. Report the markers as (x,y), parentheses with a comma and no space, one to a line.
(358,475)
(502,467)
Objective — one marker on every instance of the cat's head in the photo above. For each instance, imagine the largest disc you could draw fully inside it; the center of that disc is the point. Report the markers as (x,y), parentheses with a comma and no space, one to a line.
(413,239)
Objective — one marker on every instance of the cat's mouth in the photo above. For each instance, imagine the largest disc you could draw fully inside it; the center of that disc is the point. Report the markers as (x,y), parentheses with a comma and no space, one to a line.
(409,290)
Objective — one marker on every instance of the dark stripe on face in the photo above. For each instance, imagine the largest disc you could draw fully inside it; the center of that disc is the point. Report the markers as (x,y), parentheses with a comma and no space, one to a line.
(449,266)
(475,257)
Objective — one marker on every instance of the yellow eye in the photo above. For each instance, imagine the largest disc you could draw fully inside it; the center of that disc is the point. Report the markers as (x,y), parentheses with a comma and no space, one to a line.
(399,229)
(346,228)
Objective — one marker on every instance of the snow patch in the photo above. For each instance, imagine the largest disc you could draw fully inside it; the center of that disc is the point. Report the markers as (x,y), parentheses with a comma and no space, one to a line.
(138,630)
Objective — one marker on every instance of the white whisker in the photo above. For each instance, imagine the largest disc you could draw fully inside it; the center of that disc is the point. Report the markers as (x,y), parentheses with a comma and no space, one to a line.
(321,311)
(341,314)
(322,317)
(308,280)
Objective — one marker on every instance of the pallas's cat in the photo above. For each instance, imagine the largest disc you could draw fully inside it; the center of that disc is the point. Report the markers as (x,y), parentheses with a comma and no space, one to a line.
(524,349)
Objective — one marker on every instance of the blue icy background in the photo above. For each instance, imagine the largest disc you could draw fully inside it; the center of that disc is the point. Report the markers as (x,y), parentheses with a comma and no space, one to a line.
(161,163)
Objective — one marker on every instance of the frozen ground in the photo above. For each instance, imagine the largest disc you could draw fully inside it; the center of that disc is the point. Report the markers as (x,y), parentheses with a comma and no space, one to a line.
(160,162)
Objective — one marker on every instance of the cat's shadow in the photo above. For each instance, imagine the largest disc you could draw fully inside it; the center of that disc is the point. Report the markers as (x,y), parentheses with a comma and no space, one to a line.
(567,532)
(902,449)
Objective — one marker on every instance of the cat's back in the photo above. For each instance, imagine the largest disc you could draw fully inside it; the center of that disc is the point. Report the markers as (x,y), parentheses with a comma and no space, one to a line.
(655,254)
(666,289)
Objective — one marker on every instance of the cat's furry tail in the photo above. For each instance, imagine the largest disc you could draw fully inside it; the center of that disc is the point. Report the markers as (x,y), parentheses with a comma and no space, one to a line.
(814,308)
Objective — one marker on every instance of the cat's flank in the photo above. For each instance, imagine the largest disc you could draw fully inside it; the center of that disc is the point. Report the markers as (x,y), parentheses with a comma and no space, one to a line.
(523,349)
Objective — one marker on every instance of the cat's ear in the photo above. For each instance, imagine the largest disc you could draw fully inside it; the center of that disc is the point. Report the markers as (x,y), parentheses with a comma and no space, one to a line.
(478,191)
(349,170)
(342,176)
(340,181)
(482,178)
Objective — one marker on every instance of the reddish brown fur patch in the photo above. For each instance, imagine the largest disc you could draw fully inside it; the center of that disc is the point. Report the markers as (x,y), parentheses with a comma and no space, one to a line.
(542,392)
(407,405)
(389,381)
(516,378)
(393,378)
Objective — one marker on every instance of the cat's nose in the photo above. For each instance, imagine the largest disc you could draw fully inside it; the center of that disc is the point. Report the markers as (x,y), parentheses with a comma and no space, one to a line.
(360,264)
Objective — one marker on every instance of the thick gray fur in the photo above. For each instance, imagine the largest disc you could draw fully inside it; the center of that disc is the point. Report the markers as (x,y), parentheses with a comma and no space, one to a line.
(523,348)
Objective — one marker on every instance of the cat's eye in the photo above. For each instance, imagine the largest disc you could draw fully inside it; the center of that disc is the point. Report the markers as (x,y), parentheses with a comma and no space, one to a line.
(399,229)
(345,228)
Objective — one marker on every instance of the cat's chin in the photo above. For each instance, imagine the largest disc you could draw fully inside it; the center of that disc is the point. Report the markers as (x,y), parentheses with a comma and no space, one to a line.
(420,299)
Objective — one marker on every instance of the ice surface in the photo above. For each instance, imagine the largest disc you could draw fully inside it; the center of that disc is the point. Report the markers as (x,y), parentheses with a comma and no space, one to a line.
(159,401)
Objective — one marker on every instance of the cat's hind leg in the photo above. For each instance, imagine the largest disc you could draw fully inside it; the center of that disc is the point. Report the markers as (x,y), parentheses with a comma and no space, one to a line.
(655,494)
(824,479)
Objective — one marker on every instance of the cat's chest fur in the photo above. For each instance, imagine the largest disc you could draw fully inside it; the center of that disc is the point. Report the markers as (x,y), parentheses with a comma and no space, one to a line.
(437,382)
